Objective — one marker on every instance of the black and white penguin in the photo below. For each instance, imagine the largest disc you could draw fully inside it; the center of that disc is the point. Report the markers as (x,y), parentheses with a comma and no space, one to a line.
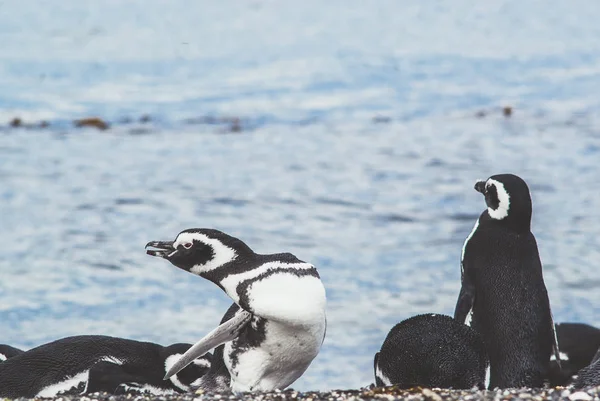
(432,351)
(6,352)
(503,295)
(277,325)
(87,364)
(577,345)
(590,375)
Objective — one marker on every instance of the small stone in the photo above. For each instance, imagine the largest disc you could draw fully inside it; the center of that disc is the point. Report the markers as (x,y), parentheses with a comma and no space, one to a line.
(580,395)
(431,395)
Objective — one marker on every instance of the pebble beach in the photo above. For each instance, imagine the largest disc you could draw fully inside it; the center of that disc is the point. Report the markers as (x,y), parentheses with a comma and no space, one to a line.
(383,394)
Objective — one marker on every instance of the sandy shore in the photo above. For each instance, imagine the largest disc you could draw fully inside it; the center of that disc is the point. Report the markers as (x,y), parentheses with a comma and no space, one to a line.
(389,393)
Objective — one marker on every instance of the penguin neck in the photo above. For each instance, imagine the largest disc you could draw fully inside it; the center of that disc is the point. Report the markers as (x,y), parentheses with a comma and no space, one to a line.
(276,287)
(516,221)
(244,262)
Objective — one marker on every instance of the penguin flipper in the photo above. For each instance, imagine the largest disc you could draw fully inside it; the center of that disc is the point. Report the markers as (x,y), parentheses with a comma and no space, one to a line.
(378,381)
(466,299)
(225,332)
(555,348)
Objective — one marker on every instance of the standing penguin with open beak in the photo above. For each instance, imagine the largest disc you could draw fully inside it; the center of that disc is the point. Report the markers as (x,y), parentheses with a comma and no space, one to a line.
(277,324)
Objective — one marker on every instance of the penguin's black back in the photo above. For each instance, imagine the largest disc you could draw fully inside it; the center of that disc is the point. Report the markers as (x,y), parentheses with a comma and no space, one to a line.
(27,374)
(432,351)
(511,308)
(578,343)
(7,352)
(30,372)
(590,375)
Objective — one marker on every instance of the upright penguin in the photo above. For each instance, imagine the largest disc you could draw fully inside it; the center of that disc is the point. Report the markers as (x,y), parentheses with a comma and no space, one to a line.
(277,325)
(88,364)
(432,351)
(503,295)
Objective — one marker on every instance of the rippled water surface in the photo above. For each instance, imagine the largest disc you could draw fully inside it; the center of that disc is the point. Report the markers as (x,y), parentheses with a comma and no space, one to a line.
(363,129)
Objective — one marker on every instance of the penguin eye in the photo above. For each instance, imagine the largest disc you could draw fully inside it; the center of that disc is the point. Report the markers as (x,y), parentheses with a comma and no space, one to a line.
(187,245)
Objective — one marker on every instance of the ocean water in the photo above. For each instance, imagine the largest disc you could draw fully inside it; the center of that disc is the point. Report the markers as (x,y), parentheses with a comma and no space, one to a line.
(362,128)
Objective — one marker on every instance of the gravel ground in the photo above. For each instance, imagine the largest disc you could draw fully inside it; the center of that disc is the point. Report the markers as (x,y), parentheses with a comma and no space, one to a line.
(388,393)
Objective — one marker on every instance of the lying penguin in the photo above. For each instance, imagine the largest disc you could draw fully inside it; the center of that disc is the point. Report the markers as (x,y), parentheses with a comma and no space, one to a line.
(87,364)
(6,352)
(432,351)
(590,375)
(577,345)
(275,327)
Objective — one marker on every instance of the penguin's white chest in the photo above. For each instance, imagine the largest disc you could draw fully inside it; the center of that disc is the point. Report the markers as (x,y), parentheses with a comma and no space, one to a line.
(282,357)
(292,310)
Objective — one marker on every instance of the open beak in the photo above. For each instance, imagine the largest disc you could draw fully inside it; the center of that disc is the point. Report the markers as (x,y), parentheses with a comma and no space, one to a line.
(480,186)
(163,249)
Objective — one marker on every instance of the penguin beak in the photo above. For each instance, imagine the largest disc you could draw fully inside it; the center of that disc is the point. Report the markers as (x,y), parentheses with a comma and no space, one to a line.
(164,249)
(480,186)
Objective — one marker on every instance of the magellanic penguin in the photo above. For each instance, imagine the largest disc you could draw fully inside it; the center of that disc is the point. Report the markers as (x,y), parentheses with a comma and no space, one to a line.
(6,352)
(432,351)
(88,364)
(277,325)
(577,343)
(503,295)
(590,375)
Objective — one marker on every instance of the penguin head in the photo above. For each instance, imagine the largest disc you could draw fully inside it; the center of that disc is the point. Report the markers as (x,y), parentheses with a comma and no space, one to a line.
(7,352)
(199,250)
(507,198)
(187,378)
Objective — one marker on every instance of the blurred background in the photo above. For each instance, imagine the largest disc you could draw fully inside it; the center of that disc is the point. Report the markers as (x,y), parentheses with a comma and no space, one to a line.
(349,133)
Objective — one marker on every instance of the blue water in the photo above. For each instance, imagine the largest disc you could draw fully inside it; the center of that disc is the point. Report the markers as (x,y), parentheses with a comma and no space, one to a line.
(358,152)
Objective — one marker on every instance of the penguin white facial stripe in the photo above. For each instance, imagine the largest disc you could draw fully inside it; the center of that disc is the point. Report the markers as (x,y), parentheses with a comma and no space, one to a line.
(232,282)
(382,377)
(503,198)
(169,362)
(3,357)
(65,385)
(222,253)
